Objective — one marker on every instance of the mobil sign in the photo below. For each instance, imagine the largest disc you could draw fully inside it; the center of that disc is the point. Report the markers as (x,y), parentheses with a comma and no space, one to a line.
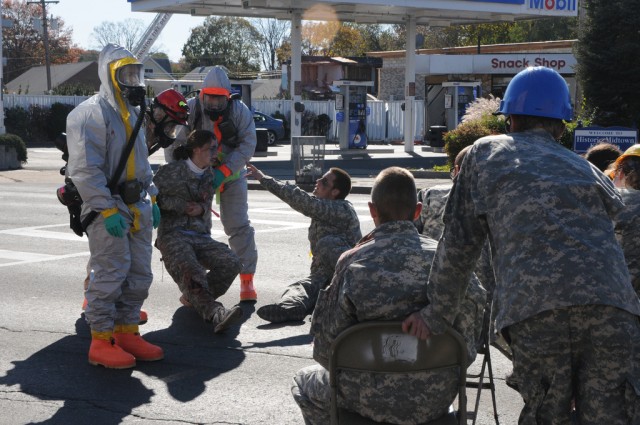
(547,7)
(553,5)
(622,137)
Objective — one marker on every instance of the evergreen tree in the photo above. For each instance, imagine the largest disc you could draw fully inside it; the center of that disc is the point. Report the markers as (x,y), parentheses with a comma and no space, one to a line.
(608,61)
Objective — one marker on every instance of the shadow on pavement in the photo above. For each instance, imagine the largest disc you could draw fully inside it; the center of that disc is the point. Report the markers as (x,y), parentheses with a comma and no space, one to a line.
(194,355)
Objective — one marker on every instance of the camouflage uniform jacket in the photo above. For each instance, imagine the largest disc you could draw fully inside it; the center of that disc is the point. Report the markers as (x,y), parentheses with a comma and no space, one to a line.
(384,277)
(177,185)
(433,201)
(628,233)
(548,215)
(329,217)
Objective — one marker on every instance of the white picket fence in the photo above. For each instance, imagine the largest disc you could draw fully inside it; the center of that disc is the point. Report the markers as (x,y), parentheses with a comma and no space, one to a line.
(385,120)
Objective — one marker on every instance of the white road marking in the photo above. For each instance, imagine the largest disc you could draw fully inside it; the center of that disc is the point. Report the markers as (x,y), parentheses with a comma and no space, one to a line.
(50,258)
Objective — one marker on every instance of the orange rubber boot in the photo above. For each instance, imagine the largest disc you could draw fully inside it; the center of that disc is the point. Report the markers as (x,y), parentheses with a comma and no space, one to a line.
(103,351)
(128,337)
(143,314)
(247,291)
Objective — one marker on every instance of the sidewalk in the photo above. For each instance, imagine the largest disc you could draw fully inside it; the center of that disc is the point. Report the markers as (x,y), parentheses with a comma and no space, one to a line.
(363,165)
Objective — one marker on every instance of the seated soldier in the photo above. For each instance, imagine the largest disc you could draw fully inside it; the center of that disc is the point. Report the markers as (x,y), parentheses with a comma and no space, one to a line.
(334,229)
(185,196)
(384,277)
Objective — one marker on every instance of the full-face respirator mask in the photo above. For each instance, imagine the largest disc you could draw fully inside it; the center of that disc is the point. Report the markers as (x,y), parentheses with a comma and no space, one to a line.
(130,79)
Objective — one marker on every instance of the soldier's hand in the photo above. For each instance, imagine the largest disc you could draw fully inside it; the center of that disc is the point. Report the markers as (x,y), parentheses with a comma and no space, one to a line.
(254,172)
(193,209)
(416,326)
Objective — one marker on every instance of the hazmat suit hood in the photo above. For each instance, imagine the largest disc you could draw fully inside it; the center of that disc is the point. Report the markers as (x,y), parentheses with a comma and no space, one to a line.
(111,58)
(217,77)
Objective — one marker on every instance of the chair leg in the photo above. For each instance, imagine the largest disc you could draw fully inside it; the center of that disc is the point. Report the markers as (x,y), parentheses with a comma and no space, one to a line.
(480,384)
(492,385)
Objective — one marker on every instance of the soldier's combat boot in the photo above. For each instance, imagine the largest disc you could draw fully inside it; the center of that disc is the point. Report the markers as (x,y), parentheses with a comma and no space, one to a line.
(129,339)
(278,313)
(223,318)
(247,291)
(104,352)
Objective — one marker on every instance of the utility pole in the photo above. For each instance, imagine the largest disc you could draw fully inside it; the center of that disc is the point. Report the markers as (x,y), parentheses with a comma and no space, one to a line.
(3,130)
(45,37)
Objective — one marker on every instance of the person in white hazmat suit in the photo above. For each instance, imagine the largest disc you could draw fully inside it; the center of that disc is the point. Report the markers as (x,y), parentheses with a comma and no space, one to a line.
(217,110)
(120,235)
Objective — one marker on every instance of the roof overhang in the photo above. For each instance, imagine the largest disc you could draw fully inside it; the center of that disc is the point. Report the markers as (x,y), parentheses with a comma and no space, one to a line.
(426,12)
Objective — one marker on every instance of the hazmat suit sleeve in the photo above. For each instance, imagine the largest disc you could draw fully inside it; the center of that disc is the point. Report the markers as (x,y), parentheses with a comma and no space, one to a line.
(87,144)
(242,118)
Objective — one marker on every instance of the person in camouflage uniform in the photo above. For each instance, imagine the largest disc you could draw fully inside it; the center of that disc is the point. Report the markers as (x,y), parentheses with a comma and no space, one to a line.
(430,224)
(334,229)
(383,278)
(184,237)
(627,180)
(563,294)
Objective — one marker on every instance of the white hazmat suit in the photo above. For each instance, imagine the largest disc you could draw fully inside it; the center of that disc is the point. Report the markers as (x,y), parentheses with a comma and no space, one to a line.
(97,133)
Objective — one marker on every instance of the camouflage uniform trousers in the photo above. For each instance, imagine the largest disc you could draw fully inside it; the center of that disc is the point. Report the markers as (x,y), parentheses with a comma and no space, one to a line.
(305,291)
(187,259)
(587,353)
(399,398)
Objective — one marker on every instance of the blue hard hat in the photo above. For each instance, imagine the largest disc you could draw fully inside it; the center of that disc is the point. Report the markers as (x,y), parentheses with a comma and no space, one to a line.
(537,91)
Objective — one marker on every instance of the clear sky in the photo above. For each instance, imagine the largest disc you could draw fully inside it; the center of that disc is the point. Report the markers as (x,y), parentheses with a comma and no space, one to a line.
(84,15)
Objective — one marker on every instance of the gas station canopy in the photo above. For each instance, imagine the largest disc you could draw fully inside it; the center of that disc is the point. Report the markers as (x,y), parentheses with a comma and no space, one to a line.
(425,12)
(435,13)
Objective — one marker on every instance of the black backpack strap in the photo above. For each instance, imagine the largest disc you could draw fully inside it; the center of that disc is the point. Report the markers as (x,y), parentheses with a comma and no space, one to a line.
(123,162)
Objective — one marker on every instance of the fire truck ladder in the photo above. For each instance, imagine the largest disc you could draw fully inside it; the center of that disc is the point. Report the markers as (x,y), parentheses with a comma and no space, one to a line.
(151,34)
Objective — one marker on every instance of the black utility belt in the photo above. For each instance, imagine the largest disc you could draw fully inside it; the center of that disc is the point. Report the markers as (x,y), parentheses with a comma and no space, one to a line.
(129,191)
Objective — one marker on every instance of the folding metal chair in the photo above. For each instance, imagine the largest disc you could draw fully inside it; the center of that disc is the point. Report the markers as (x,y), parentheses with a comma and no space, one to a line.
(362,348)
(477,381)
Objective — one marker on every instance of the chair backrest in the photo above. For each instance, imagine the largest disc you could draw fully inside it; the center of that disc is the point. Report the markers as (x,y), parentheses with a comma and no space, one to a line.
(381,346)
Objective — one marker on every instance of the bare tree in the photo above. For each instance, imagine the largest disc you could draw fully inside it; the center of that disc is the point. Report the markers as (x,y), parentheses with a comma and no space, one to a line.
(273,33)
(125,33)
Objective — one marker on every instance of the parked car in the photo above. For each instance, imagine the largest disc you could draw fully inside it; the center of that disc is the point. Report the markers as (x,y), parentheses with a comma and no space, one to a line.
(274,126)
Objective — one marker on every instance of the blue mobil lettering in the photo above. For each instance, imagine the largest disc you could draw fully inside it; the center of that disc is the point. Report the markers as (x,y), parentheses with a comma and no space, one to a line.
(559,5)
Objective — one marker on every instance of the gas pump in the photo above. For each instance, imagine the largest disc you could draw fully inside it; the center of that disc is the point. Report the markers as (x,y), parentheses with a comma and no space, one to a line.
(459,94)
(243,88)
(351,113)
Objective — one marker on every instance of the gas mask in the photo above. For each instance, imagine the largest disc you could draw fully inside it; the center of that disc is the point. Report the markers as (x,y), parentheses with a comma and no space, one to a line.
(215,105)
(165,129)
(130,79)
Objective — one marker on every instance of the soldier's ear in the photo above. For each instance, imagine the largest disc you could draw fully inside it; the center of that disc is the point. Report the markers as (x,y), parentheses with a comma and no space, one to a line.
(373,211)
(418,210)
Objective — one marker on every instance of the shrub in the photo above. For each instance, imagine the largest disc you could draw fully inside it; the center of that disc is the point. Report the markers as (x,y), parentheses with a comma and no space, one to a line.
(462,136)
(37,124)
(57,122)
(478,121)
(14,141)
(18,122)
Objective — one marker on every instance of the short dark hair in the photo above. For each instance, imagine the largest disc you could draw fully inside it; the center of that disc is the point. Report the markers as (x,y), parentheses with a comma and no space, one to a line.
(554,126)
(196,139)
(394,194)
(342,182)
(602,154)
(630,166)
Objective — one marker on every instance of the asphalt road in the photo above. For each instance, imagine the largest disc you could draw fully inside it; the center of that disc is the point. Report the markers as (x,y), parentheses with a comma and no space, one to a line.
(241,377)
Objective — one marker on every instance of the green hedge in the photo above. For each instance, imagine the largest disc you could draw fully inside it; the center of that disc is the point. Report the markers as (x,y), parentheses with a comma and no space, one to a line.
(37,124)
(14,141)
